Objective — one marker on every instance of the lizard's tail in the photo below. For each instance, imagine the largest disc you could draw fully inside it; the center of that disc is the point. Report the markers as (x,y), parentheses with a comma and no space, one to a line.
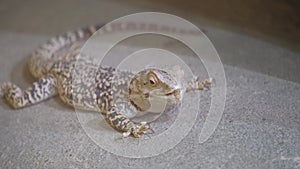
(42,59)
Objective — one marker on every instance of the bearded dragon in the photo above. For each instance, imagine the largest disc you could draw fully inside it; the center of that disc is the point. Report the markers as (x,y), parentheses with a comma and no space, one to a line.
(54,77)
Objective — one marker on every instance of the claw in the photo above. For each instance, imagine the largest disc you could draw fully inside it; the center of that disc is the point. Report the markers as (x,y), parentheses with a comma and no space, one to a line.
(143,123)
(126,134)
(137,130)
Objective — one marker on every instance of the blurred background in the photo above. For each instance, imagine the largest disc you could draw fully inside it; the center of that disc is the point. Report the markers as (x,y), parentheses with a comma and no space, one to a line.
(233,25)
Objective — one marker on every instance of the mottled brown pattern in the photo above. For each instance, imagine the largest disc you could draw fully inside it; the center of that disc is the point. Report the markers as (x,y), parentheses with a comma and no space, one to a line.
(82,84)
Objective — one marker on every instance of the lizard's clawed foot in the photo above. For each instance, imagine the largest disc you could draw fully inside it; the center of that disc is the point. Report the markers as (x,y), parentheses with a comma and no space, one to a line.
(199,85)
(136,130)
(4,88)
(207,83)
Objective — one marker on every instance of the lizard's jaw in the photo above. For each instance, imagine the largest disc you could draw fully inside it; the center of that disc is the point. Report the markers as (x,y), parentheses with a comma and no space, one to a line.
(155,101)
(159,101)
(172,97)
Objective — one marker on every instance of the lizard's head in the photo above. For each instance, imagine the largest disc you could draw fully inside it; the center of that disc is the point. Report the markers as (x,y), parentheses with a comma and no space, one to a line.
(154,87)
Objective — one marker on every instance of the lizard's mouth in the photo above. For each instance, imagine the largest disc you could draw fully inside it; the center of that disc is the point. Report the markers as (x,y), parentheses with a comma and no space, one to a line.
(172,96)
(177,95)
(155,101)
(174,92)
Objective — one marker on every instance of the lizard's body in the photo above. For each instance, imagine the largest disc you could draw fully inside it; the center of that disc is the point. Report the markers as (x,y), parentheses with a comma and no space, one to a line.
(94,88)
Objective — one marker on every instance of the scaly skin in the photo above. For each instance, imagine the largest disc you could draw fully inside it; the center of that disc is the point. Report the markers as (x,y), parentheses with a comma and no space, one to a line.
(94,88)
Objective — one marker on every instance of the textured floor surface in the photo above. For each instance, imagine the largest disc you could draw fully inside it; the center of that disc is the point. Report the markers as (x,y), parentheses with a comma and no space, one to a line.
(259,129)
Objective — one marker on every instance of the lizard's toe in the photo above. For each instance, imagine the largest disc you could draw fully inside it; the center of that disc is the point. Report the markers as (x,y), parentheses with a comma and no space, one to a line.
(137,130)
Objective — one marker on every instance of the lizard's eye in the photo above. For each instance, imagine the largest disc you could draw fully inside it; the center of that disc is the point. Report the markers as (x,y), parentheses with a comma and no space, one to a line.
(152,81)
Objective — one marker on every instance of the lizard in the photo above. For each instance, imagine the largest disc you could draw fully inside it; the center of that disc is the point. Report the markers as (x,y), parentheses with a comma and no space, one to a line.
(106,85)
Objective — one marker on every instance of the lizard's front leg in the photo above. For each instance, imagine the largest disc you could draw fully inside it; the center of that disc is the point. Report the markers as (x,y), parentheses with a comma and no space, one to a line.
(124,124)
(199,85)
(42,89)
